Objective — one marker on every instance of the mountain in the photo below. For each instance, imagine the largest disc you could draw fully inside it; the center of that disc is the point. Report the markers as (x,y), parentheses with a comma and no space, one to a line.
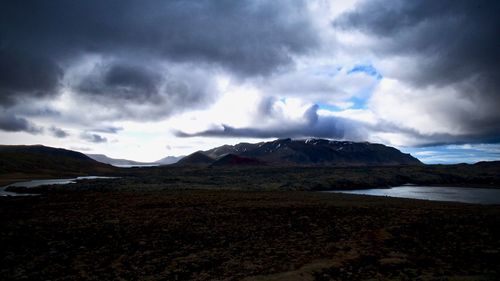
(195,159)
(235,160)
(43,160)
(317,152)
(169,160)
(124,162)
(115,162)
(237,149)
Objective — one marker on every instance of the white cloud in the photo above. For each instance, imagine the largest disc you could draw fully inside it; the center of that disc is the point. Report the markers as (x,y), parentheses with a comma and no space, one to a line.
(320,84)
(428,111)
(362,115)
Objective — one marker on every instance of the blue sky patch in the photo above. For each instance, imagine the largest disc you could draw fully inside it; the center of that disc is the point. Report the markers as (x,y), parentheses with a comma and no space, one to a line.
(368,69)
(328,107)
(358,103)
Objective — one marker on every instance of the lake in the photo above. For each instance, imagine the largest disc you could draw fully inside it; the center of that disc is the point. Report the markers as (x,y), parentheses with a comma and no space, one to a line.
(435,193)
(34,183)
(137,165)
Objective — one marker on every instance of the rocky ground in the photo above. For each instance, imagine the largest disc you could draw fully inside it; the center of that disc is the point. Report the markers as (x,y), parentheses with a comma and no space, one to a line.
(234,235)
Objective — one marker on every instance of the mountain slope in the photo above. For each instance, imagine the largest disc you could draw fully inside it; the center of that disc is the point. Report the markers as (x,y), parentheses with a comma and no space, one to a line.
(43,160)
(235,160)
(195,159)
(237,149)
(318,152)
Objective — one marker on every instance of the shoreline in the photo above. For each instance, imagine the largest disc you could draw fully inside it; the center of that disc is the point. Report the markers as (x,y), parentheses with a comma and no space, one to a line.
(17,191)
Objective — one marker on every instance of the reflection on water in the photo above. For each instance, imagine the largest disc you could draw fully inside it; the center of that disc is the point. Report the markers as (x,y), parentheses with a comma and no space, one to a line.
(34,183)
(436,193)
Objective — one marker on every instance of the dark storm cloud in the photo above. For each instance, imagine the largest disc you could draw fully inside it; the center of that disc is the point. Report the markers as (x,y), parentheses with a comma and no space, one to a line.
(122,81)
(95,138)
(452,44)
(419,139)
(58,132)
(425,140)
(23,74)
(454,39)
(131,90)
(29,109)
(40,39)
(12,123)
(313,126)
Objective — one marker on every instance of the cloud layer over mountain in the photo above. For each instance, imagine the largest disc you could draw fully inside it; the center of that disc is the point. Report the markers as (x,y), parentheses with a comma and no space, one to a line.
(114,73)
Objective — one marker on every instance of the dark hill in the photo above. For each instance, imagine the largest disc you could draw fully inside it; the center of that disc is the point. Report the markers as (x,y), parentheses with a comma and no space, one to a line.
(44,161)
(195,159)
(42,150)
(487,164)
(318,152)
(235,160)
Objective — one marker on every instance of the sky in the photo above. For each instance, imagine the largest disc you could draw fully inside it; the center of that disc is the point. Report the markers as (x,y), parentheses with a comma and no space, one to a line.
(141,80)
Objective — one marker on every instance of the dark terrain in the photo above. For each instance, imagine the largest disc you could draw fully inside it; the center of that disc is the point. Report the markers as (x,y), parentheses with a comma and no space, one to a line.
(231,235)
(241,219)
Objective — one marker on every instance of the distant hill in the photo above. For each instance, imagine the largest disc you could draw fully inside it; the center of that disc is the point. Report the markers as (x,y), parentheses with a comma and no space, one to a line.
(169,160)
(317,152)
(195,159)
(124,162)
(43,160)
(115,162)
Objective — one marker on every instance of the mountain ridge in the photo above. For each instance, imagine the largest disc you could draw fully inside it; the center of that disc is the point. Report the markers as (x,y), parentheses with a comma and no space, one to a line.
(316,152)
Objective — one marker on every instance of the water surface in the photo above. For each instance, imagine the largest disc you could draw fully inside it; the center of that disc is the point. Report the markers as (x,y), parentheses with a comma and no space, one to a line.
(35,183)
(136,165)
(435,193)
